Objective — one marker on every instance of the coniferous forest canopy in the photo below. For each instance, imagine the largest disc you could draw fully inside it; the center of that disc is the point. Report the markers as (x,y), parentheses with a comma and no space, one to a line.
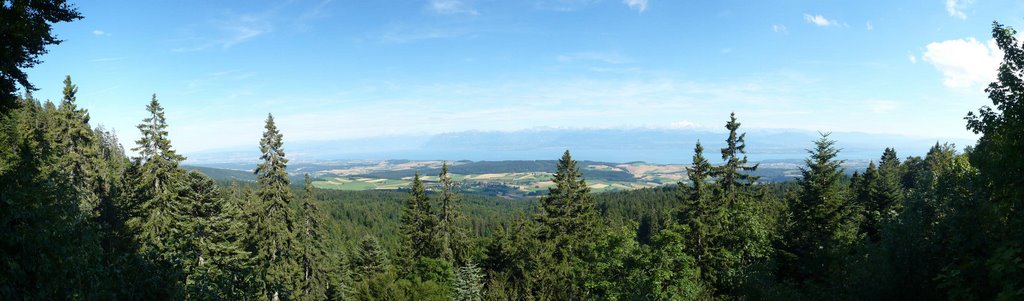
(83,218)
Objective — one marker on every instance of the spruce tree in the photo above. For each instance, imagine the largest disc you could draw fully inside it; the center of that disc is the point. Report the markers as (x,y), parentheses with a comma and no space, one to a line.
(824,222)
(215,263)
(274,230)
(418,225)
(370,259)
(469,283)
(450,234)
(157,220)
(312,253)
(77,149)
(731,176)
(568,209)
(701,216)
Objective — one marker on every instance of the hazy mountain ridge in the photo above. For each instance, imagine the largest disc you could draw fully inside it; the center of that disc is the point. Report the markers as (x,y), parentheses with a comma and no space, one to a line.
(608,145)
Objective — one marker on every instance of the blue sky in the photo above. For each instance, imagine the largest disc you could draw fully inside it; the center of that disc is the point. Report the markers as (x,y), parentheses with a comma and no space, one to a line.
(353,69)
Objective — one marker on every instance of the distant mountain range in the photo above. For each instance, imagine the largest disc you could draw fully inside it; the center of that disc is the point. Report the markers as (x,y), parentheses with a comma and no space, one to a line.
(609,145)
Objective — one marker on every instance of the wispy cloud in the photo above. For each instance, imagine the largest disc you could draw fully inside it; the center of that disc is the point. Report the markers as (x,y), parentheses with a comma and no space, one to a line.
(452,7)
(406,34)
(870,26)
(964,63)
(562,5)
(97,32)
(609,57)
(912,58)
(228,31)
(955,8)
(638,5)
(820,20)
(779,28)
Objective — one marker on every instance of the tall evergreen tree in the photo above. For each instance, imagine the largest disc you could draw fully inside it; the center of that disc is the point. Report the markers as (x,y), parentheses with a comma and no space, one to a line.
(568,209)
(418,225)
(156,221)
(702,217)
(274,231)
(731,174)
(824,222)
(312,253)
(77,149)
(450,235)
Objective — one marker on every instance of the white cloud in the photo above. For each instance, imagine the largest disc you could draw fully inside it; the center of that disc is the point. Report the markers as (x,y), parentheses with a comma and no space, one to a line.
(820,20)
(912,58)
(639,5)
(684,124)
(955,8)
(870,27)
(964,63)
(100,32)
(780,28)
(452,7)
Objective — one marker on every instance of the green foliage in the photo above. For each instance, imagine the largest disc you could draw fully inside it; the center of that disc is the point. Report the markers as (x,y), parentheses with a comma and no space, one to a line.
(311,252)
(27,30)
(1000,162)
(214,262)
(274,223)
(824,223)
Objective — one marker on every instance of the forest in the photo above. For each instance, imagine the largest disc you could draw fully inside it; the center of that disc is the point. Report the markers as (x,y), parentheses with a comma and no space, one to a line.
(85,219)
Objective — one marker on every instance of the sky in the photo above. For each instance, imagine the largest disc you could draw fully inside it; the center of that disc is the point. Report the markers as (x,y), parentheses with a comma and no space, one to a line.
(354,69)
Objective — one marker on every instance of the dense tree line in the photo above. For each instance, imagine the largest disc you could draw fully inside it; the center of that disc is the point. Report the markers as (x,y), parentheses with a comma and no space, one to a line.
(83,220)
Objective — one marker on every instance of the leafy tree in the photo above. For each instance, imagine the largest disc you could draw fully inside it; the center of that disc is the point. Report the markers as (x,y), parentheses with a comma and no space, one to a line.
(26,31)
(1000,161)
(276,267)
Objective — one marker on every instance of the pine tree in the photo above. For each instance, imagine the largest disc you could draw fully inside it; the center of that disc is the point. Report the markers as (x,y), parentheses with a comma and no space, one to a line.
(312,253)
(701,216)
(418,225)
(215,263)
(370,259)
(731,174)
(77,149)
(158,217)
(274,231)
(450,234)
(469,283)
(824,225)
(568,209)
